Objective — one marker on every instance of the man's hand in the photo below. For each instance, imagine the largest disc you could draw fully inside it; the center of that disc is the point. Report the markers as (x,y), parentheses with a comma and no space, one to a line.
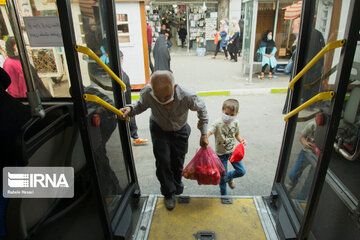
(126,111)
(204,142)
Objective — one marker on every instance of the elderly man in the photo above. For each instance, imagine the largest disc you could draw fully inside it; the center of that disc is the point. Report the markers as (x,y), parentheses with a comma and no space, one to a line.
(170,104)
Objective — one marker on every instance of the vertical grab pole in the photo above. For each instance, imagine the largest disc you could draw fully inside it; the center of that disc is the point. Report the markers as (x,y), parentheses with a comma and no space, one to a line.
(32,94)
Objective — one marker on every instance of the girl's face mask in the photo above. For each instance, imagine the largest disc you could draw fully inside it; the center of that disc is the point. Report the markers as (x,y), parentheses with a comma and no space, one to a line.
(269,37)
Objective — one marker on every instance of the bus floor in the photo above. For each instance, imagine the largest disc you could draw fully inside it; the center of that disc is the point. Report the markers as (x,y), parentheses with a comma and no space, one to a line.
(201,217)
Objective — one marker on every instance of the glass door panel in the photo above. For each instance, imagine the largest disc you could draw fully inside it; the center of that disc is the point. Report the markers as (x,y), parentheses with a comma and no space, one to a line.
(344,163)
(90,31)
(43,44)
(307,143)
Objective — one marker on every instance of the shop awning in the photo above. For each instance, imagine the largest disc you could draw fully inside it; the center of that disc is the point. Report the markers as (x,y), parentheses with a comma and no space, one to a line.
(293,11)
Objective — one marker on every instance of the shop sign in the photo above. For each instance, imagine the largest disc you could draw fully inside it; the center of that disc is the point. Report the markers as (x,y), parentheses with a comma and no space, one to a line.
(43,31)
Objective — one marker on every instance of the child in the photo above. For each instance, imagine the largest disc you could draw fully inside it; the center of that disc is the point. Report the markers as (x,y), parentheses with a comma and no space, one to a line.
(226,132)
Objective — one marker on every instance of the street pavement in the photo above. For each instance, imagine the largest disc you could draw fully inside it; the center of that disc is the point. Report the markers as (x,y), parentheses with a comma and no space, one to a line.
(261,123)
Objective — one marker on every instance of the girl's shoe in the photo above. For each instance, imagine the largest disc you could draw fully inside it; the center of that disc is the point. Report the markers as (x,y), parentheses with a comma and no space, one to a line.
(270,75)
(262,75)
(226,58)
(213,57)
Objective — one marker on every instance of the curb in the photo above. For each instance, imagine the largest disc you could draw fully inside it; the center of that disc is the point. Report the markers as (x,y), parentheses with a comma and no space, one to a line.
(135,96)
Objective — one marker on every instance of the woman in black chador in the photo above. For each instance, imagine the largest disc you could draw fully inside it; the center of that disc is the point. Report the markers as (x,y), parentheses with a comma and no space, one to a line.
(161,54)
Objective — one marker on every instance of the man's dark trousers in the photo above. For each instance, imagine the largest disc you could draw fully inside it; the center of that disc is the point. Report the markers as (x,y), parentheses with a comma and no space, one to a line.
(170,148)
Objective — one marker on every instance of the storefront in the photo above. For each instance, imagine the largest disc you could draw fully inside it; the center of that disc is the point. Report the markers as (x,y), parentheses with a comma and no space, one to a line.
(47,56)
(259,16)
(199,18)
(132,37)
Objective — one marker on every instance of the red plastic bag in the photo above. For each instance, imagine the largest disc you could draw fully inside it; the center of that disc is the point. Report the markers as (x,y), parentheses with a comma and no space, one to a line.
(238,153)
(205,167)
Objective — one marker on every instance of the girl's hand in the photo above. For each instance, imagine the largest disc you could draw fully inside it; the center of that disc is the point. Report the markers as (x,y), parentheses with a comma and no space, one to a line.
(243,142)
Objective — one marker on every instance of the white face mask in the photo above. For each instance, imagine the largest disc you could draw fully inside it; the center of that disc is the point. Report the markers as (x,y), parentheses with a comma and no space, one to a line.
(269,37)
(162,103)
(227,118)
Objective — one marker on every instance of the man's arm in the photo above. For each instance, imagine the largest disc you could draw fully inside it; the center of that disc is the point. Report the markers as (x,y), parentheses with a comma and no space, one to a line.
(197,104)
(140,106)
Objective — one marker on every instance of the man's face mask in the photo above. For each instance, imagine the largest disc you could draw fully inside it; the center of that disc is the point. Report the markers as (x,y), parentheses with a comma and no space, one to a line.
(162,103)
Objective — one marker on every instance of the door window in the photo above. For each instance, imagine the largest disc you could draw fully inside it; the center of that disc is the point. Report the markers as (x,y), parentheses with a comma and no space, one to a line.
(311,122)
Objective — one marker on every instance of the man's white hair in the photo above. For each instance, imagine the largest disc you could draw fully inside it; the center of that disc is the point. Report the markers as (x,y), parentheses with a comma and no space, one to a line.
(162,75)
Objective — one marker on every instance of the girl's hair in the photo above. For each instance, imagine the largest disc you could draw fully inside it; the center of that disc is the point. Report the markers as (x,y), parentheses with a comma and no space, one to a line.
(231,104)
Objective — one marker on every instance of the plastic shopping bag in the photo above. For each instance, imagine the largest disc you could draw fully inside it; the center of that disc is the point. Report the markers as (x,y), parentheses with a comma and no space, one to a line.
(238,153)
(205,167)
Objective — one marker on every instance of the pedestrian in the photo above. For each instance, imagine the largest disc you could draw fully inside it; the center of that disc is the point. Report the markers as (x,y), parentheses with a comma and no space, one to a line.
(267,49)
(168,35)
(233,46)
(132,124)
(169,104)
(149,41)
(161,54)
(182,34)
(222,43)
(163,29)
(226,132)
(12,66)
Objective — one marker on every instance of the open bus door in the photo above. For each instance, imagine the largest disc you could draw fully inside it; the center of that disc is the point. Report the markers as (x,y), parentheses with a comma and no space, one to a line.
(315,191)
(118,202)
(66,131)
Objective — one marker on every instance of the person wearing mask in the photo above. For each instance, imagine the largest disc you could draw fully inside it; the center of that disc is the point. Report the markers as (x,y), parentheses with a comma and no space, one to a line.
(267,49)
(170,104)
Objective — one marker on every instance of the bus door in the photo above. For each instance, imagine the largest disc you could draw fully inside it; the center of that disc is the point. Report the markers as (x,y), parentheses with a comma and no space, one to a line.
(315,191)
(47,34)
(92,24)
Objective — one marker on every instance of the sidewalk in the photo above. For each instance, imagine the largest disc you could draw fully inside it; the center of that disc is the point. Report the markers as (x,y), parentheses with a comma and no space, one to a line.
(260,117)
(208,76)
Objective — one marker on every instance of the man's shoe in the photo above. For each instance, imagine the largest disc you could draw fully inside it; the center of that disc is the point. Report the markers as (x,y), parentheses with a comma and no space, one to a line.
(139,141)
(170,202)
(231,183)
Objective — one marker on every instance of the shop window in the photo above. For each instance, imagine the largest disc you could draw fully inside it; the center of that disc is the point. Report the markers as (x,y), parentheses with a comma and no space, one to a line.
(123,28)
(285,38)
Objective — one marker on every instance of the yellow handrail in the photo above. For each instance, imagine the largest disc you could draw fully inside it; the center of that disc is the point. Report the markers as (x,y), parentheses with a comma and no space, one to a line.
(91,54)
(316,98)
(93,98)
(328,47)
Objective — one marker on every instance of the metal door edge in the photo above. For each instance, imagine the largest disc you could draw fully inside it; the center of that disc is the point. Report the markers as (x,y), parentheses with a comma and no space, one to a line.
(144,223)
(266,218)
